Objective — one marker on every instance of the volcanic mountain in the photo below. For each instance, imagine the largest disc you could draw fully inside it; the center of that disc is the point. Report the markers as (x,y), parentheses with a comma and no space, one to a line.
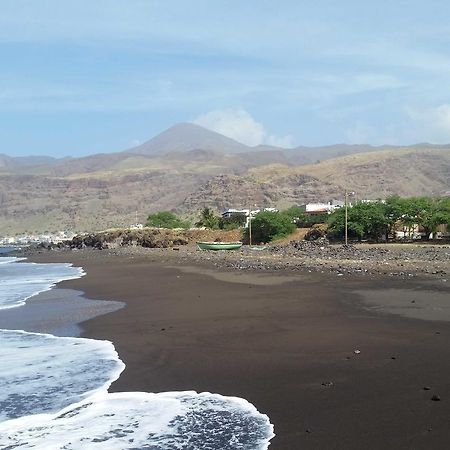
(184,137)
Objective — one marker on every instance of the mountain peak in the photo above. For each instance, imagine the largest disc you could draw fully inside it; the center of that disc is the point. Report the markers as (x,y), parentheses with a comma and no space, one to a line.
(186,136)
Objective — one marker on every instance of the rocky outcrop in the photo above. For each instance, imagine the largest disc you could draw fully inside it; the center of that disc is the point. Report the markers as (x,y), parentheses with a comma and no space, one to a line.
(146,237)
(149,238)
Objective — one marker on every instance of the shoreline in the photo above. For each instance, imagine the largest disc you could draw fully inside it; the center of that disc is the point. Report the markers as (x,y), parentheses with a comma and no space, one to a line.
(287,347)
(58,311)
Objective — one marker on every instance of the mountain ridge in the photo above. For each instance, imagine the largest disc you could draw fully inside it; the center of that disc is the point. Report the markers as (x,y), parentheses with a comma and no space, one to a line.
(106,190)
(186,136)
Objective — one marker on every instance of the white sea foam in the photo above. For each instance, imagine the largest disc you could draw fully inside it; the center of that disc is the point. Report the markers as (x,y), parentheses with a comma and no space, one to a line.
(10,259)
(19,282)
(42,373)
(137,420)
(53,391)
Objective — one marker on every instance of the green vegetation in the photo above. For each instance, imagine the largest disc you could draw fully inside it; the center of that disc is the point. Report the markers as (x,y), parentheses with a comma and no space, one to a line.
(426,212)
(234,222)
(166,219)
(268,226)
(208,219)
(365,220)
(303,220)
(375,220)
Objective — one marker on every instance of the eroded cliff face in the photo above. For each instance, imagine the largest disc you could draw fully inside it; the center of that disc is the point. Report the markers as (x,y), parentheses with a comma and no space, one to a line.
(33,203)
(232,191)
(102,193)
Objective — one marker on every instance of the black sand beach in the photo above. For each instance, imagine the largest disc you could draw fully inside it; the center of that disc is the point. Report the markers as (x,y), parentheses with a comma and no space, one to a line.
(331,370)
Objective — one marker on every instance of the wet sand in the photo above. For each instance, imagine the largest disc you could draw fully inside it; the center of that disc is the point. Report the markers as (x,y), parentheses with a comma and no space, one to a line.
(286,346)
(58,312)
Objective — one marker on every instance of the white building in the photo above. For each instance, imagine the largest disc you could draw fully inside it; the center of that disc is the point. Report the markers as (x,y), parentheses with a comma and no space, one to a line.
(322,208)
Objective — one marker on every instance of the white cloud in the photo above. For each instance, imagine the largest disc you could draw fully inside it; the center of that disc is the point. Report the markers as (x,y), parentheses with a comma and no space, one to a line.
(359,133)
(440,117)
(280,141)
(433,123)
(238,124)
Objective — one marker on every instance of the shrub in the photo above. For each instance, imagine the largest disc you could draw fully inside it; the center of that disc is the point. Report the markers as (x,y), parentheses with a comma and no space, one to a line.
(303,220)
(267,226)
(236,220)
(208,219)
(166,219)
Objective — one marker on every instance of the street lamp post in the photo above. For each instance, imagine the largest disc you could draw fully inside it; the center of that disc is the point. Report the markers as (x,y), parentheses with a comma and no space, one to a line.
(352,194)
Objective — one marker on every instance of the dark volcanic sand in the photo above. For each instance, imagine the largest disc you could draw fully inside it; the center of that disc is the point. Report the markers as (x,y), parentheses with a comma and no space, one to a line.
(287,347)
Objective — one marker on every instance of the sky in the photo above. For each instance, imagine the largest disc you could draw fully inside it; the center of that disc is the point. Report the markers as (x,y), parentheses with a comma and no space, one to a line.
(83,77)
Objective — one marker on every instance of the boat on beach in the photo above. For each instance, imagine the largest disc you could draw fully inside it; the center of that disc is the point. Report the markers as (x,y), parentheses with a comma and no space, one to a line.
(258,247)
(219,245)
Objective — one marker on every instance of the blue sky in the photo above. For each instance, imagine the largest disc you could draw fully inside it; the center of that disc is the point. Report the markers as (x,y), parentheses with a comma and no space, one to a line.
(80,77)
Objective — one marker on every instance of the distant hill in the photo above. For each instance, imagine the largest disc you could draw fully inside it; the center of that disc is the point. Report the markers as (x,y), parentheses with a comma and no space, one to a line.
(10,162)
(188,136)
(406,172)
(188,167)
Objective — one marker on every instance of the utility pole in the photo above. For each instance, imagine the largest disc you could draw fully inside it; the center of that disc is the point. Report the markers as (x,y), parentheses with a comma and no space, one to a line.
(250,227)
(346,218)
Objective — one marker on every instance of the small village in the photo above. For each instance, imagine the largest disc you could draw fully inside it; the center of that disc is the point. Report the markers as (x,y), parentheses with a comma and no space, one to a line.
(394,219)
(34,238)
(320,211)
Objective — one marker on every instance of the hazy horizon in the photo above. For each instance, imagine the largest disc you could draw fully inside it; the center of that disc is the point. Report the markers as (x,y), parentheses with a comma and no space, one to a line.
(255,146)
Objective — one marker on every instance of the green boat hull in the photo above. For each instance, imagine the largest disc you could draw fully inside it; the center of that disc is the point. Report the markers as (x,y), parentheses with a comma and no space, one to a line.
(219,245)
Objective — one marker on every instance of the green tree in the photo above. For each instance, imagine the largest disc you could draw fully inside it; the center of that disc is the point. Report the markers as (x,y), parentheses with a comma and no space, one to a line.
(303,220)
(395,208)
(444,208)
(430,213)
(364,220)
(236,220)
(208,219)
(336,225)
(268,226)
(295,213)
(373,219)
(426,212)
(166,219)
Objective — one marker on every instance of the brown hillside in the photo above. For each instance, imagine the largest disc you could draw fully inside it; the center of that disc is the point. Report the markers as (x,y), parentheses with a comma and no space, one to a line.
(375,175)
(109,191)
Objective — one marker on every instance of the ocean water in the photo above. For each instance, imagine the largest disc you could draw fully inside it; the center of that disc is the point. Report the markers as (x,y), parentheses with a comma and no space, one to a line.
(19,282)
(54,391)
(5,250)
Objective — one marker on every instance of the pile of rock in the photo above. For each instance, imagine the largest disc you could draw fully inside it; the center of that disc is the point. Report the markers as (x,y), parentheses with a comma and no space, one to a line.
(294,247)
